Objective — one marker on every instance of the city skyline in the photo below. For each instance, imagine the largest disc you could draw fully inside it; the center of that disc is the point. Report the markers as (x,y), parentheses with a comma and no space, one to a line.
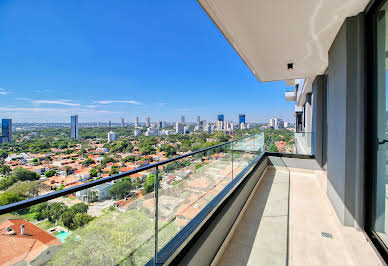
(95,69)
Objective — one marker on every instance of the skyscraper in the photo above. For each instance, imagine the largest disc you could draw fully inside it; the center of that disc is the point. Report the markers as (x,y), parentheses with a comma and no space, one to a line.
(136,121)
(180,127)
(74,127)
(148,121)
(220,117)
(241,118)
(6,130)
(110,124)
(198,120)
(182,118)
(122,122)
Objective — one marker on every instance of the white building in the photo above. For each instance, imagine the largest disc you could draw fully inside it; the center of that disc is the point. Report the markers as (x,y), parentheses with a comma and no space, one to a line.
(111,136)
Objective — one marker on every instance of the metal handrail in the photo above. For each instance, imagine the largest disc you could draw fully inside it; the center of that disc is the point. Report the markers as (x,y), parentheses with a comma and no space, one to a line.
(46,197)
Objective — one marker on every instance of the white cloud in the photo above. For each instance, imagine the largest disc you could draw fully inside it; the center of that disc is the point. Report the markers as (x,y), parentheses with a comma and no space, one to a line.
(58,102)
(162,104)
(91,106)
(4,92)
(114,101)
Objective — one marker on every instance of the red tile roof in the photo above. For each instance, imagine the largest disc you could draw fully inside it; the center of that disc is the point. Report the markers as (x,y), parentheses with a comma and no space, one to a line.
(23,247)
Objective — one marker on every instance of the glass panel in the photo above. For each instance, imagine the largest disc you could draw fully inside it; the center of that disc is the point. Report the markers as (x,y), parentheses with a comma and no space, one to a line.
(108,224)
(381,208)
(189,184)
(288,142)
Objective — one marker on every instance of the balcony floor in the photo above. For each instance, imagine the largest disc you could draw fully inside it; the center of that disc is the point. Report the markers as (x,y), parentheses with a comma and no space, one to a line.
(283,224)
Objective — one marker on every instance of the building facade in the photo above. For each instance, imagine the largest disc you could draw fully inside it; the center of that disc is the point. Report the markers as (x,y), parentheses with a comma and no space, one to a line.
(74,127)
(6,130)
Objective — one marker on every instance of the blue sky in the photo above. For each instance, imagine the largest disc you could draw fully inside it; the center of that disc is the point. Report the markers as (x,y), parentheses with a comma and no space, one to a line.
(110,59)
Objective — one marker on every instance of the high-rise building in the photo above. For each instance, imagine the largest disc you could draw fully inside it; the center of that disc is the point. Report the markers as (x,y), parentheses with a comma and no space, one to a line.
(272,123)
(6,130)
(180,128)
(220,124)
(148,121)
(280,124)
(136,121)
(276,123)
(110,124)
(122,122)
(164,124)
(74,127)
(241,118)
(220,117)
(112,136)
(198,120)
(182,118)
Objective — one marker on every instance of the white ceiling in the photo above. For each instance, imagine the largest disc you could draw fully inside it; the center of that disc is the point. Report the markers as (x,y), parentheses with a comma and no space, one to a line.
(270,34)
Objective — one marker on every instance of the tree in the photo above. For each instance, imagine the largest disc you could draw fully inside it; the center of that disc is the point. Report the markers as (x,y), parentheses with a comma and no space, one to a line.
(10,197)
(93,172)
(114,170)
(6,182)
(22,174)
(149,184)
(26,188)
(39,210)
(168,149)
(3,154)
(67,218)
(80,219)
(5,169)
(273,148)
(55,211)
(68,170)
(88,162)
(50,173)
(80,208)
(121,189)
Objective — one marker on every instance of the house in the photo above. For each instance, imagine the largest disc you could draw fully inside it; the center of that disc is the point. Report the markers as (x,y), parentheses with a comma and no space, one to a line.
(23,243)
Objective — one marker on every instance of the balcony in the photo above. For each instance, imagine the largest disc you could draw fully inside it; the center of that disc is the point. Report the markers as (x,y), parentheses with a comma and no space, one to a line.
(230,204)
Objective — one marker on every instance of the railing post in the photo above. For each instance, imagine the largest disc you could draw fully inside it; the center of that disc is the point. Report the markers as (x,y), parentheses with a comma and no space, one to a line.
(156,189)
(232,159)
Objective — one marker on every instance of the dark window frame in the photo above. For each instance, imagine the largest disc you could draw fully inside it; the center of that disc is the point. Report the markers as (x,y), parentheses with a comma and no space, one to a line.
(371,131)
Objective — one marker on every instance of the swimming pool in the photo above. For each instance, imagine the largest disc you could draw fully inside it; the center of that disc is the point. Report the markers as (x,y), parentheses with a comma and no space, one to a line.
(62,236)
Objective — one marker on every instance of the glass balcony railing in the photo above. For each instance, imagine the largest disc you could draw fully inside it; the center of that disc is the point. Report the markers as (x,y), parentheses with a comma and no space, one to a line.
(125,218)
(289,142)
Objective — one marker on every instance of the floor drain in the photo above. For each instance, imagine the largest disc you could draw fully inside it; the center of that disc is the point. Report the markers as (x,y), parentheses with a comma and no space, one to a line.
(327,235)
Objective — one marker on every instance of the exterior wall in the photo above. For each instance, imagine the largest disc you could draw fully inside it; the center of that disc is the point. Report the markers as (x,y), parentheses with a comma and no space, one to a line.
(345,109)
(319,119)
